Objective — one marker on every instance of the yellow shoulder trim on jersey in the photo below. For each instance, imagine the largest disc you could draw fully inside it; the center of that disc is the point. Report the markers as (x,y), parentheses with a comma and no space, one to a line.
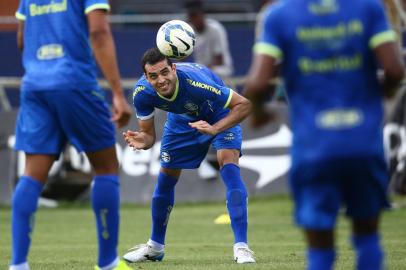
(175,94)
(20,16)
(229,98)
(381,38)
(268,49)
(97,6)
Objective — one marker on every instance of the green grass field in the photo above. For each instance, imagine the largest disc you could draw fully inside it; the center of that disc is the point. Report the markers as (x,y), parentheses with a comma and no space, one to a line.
(65,238)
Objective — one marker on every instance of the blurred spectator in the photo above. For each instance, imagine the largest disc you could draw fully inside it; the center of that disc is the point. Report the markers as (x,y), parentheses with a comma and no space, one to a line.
(211,47)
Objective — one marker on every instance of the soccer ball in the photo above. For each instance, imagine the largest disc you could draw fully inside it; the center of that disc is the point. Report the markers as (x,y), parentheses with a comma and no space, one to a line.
(175,39)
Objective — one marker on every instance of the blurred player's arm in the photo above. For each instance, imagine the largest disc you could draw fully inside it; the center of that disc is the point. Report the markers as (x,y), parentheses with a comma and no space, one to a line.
(144,138)
(104,51)
(20,35)
(240,108)
(389,56)
(263,69)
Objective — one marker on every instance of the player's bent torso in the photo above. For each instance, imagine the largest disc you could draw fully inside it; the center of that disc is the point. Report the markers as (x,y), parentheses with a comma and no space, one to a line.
(58,56)
(200,95)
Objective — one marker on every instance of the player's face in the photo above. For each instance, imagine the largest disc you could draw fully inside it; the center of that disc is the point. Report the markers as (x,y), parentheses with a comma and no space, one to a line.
(196,19)
(162,77)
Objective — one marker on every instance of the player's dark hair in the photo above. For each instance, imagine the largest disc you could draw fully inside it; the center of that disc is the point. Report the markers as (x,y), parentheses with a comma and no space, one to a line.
(194,6)
(153,56)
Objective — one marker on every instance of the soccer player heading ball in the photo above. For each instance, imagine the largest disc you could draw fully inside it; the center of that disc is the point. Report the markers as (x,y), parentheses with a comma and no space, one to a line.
(202,111)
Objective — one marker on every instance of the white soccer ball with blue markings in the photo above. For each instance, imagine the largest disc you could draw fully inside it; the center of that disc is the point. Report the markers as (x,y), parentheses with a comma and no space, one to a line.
(176,39)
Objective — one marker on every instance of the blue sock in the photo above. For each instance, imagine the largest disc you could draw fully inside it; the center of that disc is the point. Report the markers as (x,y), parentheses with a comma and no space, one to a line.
(25,202)
(369,252)
(320,259)
(236,201)
(106,203)
(162,203)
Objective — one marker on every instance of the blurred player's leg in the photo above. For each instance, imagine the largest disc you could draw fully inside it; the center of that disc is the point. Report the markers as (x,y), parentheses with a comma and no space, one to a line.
(317,214)
(106,203)
(320,253)
(25,201)
(317,198)
(367,245)
(366,196)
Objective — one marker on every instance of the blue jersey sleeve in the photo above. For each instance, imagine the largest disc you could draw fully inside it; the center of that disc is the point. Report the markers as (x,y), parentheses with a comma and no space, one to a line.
(270,42)
(21,11)
(143,106)
(91,5)
(378,29)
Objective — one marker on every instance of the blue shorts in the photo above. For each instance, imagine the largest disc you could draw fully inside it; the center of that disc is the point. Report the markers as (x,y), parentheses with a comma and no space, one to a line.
(187,149)
(48,119)
(321,188)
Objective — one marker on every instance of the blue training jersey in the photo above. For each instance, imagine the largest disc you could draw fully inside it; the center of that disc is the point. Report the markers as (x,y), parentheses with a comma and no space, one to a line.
(326,49)
(57,54)
(200,95)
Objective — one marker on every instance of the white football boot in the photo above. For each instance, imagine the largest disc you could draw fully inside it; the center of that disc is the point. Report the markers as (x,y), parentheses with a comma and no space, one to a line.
(142,253)
(243,255)
(21,266)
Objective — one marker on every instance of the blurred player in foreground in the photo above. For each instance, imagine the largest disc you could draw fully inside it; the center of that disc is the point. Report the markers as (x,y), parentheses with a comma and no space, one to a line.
(60,102)
(330,51)
(201,111)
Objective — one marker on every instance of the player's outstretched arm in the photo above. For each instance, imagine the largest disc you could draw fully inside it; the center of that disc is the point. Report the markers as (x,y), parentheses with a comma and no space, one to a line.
(389,56)
(240,108)
(104,51)
(142,139)
(263,69)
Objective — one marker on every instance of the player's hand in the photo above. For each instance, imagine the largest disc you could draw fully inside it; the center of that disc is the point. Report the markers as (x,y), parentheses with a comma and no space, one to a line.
(135,140)
(121,111)
(204,127)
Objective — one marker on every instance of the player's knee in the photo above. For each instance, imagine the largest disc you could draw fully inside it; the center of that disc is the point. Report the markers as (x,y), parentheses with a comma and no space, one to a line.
(228,156)
(174,173)
(106,168)
(104,162)
(165,184)
(365,226)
